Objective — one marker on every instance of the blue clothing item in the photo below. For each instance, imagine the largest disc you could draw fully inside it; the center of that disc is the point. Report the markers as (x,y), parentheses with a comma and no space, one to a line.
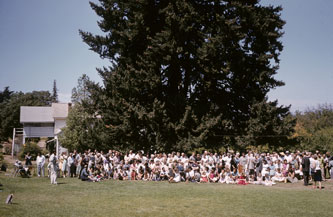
(84,175)
(180,168)
(237,160)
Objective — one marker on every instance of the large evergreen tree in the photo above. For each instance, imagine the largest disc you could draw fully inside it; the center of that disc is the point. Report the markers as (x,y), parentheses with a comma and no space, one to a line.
(186,74)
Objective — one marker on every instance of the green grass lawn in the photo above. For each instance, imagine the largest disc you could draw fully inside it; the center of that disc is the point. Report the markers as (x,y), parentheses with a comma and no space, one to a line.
(72,197)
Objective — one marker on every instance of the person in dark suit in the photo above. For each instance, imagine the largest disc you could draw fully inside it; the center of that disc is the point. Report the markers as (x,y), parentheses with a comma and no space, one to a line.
(259,165)
(306,168)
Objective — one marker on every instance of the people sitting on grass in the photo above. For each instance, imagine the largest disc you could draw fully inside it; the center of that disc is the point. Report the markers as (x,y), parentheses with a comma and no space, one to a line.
(230,168)
(278,176)
(21,170)
(85,175)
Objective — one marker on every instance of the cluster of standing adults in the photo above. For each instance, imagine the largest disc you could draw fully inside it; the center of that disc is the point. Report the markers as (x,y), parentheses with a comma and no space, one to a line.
(248,168)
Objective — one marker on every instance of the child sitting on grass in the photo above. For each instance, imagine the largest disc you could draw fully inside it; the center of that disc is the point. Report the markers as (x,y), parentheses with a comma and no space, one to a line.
(204,178)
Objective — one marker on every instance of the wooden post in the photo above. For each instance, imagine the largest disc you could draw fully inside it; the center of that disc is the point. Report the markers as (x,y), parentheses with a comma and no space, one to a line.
(13,143)
(57,146)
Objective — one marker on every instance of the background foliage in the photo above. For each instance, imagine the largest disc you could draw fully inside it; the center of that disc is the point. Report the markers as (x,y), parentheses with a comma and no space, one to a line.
(32,148)
(10,108)
(83,127)
(188,74)
(314,128)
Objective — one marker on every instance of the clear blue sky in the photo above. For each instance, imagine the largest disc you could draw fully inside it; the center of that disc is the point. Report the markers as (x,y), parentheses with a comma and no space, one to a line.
(39,42)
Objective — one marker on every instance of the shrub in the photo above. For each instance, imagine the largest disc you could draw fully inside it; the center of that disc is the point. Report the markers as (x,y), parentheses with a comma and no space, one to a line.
(31,147)
(1,157)
(8,150)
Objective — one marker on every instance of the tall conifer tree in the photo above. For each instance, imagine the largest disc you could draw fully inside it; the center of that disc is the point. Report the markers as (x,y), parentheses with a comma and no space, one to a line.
(54,92)
(186,74)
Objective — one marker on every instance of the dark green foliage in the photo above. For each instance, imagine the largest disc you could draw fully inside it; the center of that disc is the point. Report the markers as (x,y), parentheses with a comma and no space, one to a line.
(10,110)
(1,156)
(188,74)
(314,128)
(32,148)
(5,94)
(54,92)
(270,125)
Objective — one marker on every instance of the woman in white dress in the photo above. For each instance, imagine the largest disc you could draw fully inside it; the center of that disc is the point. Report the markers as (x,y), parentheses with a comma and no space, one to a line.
(264,170)
(278,177)
(230,179)
(64,168)
(259,180)
(176,177)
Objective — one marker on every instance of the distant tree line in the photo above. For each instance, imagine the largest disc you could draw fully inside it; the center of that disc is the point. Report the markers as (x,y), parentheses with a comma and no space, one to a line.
(314,128)
(10,103)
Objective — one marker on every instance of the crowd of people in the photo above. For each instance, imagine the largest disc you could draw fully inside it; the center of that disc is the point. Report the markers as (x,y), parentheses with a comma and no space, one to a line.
(230,167)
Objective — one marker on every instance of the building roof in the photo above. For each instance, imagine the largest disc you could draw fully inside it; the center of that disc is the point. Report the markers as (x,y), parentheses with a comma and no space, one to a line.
(44,114)
(60,110)
(36,114)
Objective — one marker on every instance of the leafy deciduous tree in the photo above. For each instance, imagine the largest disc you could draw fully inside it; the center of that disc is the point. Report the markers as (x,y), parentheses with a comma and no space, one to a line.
(81,93)
(82,129)
(314,128)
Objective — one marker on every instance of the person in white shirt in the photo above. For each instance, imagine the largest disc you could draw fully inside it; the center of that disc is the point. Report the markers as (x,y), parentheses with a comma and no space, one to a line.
(264,170)
(53,168)
(222,177)
(278,177)
(131,155)
(71,165)
(227,160)
(40,161)
(126,157)
(229,179)
(289,157)
(242,163)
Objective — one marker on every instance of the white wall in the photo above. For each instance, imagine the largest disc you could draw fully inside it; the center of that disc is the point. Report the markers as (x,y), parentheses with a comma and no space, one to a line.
(58,124)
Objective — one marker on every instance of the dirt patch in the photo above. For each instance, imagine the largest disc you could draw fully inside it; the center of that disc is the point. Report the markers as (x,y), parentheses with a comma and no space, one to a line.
(9,159)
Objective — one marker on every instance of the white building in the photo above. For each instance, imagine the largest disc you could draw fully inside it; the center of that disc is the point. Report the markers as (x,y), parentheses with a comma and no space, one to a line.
(44,121)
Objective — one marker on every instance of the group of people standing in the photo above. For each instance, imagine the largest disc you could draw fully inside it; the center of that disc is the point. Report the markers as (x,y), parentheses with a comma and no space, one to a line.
(230,168)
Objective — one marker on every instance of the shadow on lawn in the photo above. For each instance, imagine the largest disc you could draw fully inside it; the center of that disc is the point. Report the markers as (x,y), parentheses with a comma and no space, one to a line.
(61,183)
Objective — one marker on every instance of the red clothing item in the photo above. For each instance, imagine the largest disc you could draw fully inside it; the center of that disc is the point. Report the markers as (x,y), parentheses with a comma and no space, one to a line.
(133,175)
(241,181)
(204,179)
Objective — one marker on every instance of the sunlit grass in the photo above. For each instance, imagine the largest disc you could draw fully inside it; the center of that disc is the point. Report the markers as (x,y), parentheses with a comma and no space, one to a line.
(72,197)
